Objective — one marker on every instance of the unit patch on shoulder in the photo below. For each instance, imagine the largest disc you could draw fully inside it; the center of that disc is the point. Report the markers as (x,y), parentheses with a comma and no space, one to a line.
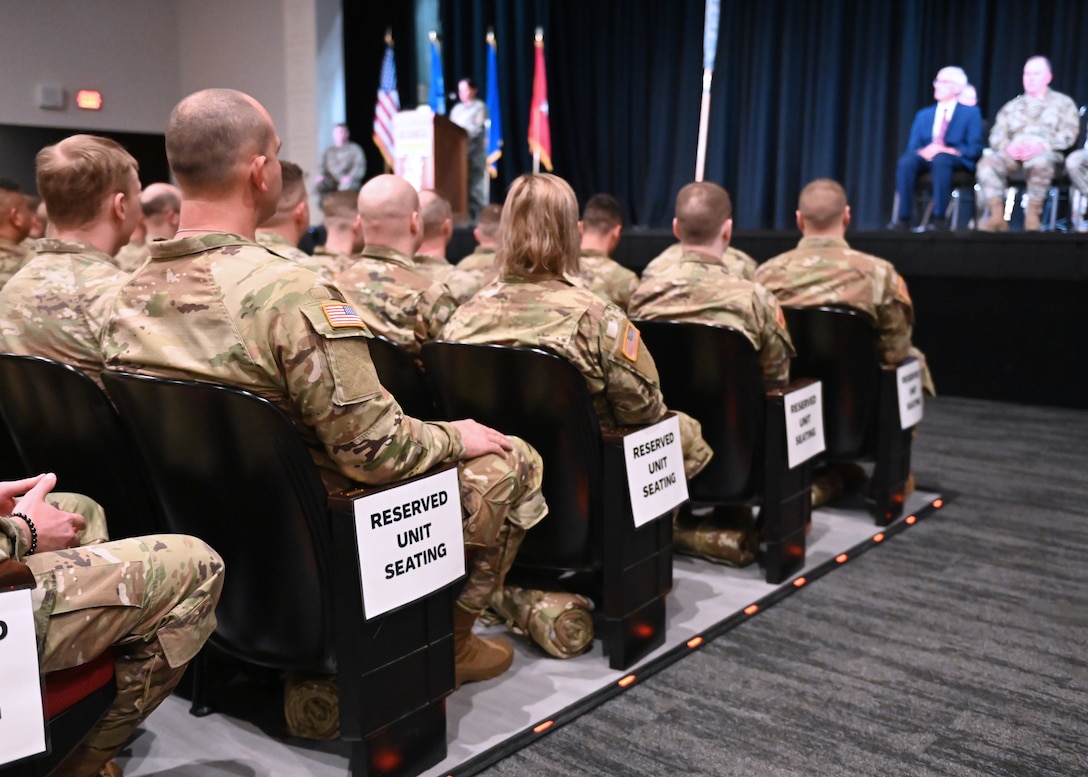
(341,315)
(630,342)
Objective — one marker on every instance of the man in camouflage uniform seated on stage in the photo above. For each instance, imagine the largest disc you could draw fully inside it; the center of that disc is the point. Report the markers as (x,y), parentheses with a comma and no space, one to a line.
(1031,131)
(214,305)
(57,304)
(152,599)
(394,298)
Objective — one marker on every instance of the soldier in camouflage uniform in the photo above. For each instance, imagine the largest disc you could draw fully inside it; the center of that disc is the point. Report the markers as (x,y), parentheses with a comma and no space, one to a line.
(538,302)
(1031,132)
(437,217)
(343,230)
(478,269)
(151,599)
(214,305)
(824,270)
(283,230)
(601,227)
(386,287)
(56,305)
(343,165)
(16,219)
(700,288)
(736,261)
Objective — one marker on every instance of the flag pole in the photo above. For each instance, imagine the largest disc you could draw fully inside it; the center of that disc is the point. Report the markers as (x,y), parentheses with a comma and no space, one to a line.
(536,115)
(710,49)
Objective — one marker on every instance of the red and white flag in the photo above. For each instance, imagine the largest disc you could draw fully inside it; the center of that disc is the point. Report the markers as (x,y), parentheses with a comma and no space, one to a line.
(388,104)
(540,132)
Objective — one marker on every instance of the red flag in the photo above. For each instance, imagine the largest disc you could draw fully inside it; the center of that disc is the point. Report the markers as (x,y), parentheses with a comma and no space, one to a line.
(540,133)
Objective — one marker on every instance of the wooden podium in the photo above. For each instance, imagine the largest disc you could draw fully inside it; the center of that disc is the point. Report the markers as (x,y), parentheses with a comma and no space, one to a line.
(432,153)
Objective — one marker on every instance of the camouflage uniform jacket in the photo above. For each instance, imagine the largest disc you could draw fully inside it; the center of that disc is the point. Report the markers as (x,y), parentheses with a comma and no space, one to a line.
(58,304)
(1053,120)
(826,271)
(394,299)
(472,273)
(132,255)
(699,288)
(223,309)
(437,268)
(281,246)
(12,257)
(561,316)
(607,278)
(335,261)
(738,262)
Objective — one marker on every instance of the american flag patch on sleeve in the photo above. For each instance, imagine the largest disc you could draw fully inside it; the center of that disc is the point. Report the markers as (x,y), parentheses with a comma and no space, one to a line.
(341,315)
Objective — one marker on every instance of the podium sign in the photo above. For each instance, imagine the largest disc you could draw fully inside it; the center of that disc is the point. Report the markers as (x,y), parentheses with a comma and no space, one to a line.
(413,138)
(410,539)
(22,721)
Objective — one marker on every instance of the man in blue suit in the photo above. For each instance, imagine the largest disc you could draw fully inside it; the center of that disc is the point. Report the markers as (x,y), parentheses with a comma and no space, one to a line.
(944,136)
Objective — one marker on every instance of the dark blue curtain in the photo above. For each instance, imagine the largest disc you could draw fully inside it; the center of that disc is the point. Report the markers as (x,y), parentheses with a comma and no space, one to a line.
(802,88)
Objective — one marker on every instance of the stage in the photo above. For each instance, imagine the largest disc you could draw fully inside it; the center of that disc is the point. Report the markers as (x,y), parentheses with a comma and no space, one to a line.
(997,315)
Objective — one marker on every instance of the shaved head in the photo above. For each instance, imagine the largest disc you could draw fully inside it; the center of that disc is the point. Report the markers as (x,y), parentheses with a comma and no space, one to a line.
(386,199)
(159,198)
(211,133)
(822,203)
(389,214)
(436,211)
(701,211)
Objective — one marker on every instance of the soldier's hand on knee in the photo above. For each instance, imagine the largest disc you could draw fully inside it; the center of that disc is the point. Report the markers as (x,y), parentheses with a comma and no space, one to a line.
(57,529)
(480,439)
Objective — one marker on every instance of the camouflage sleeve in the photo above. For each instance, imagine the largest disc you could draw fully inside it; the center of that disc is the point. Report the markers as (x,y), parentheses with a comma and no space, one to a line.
(999,133)
(777,347)
(1068,125)
(436,305)
(633,387)
(626,289)
(895,319)
(332,381)
(13,543)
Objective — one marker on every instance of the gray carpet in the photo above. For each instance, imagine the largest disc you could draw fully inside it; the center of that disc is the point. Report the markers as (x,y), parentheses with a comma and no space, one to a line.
(958,648)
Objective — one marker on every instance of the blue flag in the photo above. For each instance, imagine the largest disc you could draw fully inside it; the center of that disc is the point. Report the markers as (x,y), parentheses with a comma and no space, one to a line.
(710,33)
(438,81)
(494,130)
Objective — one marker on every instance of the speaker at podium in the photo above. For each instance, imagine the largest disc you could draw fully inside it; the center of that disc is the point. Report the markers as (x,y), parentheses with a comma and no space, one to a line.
(432,153)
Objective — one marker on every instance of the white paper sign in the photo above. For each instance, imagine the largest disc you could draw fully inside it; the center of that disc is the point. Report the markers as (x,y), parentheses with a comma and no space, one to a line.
(655,470)
(22,722)
(804,424)
(908,379)
(413,136)
(411,541)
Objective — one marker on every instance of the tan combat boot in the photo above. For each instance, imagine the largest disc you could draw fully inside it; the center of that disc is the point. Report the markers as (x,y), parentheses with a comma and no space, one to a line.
(995,221)
(477,658)
(1033,216)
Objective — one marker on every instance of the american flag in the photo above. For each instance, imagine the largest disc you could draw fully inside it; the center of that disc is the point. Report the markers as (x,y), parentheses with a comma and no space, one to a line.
(388,105)
(340,315)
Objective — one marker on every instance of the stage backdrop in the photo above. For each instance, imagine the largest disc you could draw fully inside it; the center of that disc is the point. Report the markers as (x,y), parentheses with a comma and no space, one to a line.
(802,88)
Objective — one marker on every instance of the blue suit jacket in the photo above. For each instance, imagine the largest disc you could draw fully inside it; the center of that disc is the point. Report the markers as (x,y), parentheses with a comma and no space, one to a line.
(964,132)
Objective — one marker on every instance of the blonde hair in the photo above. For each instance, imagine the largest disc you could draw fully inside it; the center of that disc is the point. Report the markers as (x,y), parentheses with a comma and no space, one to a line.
(538,232)
(77,174)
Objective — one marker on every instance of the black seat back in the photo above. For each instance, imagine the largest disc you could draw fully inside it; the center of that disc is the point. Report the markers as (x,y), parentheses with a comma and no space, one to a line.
(401,373)
(838,346)
(62,422)
(712,373)
(231,468)
(543,399)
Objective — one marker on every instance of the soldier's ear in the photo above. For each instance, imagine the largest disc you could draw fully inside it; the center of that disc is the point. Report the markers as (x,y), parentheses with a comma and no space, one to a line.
(727,230)
(800,220)
(257,172)
(846,217)
(676,231)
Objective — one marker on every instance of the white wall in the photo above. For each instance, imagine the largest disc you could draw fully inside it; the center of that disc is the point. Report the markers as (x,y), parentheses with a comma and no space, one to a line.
(126,49)
(145,55)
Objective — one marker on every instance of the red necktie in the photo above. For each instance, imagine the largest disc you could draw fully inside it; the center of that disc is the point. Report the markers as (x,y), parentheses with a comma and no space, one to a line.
(944,127)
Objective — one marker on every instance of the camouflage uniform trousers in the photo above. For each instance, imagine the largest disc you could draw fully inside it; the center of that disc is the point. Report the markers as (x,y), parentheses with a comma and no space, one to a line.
(152,598)
(501,499)
(1076,164)
(993,171)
